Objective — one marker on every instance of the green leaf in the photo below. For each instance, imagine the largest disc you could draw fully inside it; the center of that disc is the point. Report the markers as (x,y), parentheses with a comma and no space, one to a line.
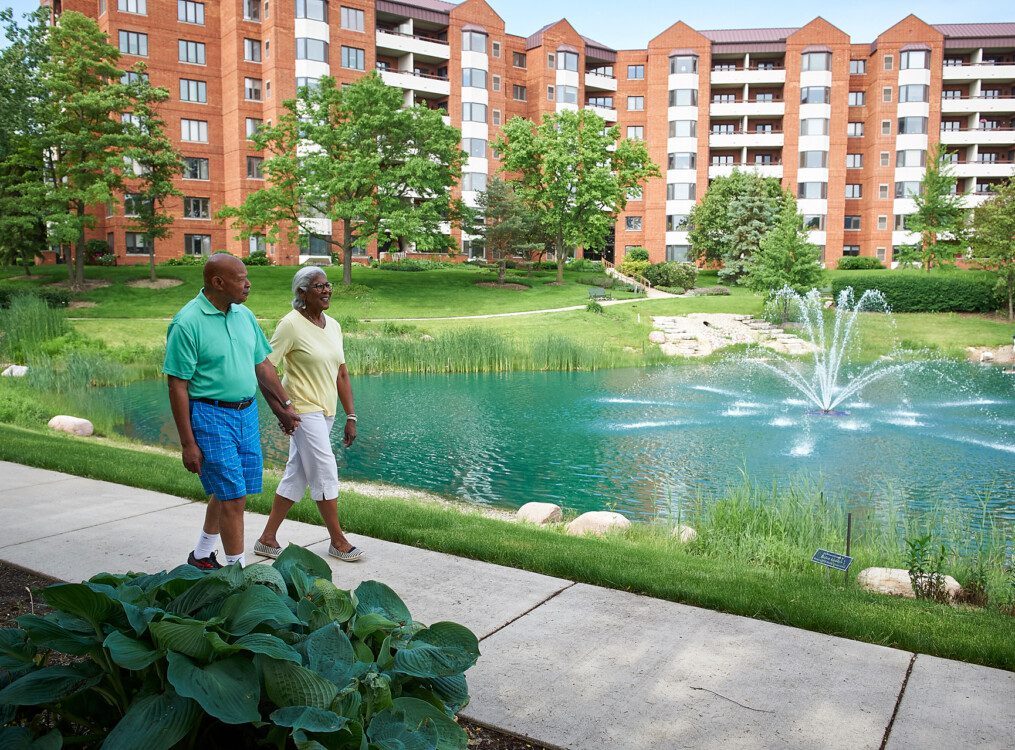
(295,556)
(366,625)
(303,742)
(81,599)
(256,643)
(265,575)
(15,650)
(51,684)
(450,735)
(289,684)
(388,730)
(453,690)
(130,653)
(20,738)
(228,689)
(156,722)
(348,705)
(338,604)
(184,636)
(331,654)
(45,632)
(253,607)
(375,597)
(172,583)
(308,718)
(442,650)
(209,590)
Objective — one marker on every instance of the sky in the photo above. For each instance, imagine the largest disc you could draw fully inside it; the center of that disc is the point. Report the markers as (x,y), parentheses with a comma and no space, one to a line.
(629,24)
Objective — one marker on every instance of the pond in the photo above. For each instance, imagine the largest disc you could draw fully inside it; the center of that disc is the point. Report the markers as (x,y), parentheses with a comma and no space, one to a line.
(641,441)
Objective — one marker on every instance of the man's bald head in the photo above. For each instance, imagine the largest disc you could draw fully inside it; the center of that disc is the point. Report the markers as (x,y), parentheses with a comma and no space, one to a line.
(225,280)
(219,264)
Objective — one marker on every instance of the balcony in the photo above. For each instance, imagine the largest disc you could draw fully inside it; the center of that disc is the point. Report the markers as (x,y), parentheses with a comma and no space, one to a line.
(600,82)
(396,44)
(424,83)
(740,139)
(970,72)
(607,113)
(970,104)
(752,107)
(762,170)
(982,136)
(999,168)
(750,75)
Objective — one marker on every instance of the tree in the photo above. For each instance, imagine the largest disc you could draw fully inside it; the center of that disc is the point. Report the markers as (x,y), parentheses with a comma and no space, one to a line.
(940,217)
(354,155)
(728,225)
(785,258)
(993,239)
(506,224)
(155,161)
(564,170)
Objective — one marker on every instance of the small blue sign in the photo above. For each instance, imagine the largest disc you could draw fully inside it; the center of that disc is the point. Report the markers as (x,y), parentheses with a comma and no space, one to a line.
(832,559)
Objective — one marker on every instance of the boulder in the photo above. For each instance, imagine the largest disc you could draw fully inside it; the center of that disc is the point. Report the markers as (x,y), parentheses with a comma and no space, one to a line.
(15,371)
(895,581)
(540,513)
(73,425)
(684,534)
(657,337)
(597,522)
(426,337)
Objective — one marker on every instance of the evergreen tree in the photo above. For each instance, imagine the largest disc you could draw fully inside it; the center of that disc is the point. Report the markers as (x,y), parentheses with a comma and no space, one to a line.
(940,217)
(784,256)
(506,226)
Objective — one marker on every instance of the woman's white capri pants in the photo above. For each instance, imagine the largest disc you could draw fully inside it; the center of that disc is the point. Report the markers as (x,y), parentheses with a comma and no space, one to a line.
(311,460)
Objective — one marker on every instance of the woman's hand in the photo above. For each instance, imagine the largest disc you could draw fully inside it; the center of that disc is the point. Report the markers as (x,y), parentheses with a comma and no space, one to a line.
(350,432)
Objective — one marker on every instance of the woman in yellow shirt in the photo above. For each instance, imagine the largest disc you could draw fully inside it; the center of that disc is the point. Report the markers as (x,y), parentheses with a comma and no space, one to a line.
(309,345)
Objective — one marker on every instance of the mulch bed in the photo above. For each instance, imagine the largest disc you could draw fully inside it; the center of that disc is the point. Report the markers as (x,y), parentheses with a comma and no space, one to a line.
(506,285)
(16,599)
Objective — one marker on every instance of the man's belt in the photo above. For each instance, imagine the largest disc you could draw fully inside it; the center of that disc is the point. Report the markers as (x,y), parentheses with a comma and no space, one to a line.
(238,405)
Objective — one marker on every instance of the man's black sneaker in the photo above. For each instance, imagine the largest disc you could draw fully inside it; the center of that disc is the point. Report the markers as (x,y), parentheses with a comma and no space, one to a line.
(204,563)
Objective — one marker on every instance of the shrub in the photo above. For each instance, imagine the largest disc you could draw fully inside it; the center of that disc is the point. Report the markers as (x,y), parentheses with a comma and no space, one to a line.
(257,259)
(21,409)
(860,263)
(603,281)
(918,291)
(583,265)
(261,656)
(672,274)
(634,268)
(594,307)
(411,264)
(52,296)
(710,291)
(107,259)
(184,260)
(95,249)
(636,253)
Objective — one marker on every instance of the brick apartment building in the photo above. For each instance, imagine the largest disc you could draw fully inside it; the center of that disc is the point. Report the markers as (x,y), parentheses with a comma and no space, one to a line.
(846,126)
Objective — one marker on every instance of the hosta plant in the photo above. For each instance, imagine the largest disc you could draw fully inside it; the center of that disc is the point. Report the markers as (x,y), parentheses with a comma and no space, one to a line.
(263,656)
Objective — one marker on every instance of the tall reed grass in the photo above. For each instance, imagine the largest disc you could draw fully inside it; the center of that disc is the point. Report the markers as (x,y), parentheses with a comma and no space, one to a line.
(26,324)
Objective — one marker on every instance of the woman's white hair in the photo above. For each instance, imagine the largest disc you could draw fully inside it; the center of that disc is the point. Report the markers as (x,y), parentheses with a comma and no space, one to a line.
(301,281)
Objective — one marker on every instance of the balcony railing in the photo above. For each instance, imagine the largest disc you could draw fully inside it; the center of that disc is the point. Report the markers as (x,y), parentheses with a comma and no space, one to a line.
(740,131)
(417,73)
(733,68)
(977,130)
(421,37)
(989,98)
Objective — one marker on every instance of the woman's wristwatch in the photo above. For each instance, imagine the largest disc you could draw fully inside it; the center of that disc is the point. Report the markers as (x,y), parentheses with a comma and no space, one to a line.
(350,418)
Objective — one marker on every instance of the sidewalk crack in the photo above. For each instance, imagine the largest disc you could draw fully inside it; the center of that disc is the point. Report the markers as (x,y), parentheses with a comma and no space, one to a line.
(534,606)
(898,703)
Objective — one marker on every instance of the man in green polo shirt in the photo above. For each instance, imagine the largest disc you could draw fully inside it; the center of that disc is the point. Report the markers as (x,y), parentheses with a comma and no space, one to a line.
(216,358)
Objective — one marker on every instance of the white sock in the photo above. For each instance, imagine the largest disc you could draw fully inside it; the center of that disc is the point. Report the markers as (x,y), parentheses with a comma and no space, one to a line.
(206,544)
(230,559)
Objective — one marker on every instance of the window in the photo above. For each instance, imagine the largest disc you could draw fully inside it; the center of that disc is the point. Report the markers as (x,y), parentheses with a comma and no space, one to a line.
(907,189)
(914,92)
(254,168)
(814,222)
(722,98)
(133,6)
(197,244)
(549,93)
(551,61)
(814,159)
(195,168)
(854,190)
(883,191)
(252,50)
(857,67)
(636,132)
(518,59)
(567,94)
(253,124)
(600,101)
(355,59)
(682,97)
(129,118)
(814,94)
(680,160)
(256,243)
(883,221)
(311,49)
(816,61)
(911,125)
(911,158)
(310,83)
(635,72)
(136,243)
(193,91)
(885,156)
(886,94)
(191,52)
(197,208)
(134,43)
(315,10)
(684,64)
(854,161)
(635,103)
(722,128)
(518,93)
(990,93)
(680,191)
(765,159)
(567,61)
(953,125)
(496,83)
(632,223)
(495,119)
(857,98)
(852,223)
(814,126)
(474,147)
(889,62)
(886,127)
(252,10)
(854,129)
(634,194)
(721,160)
(474,78)
(900,222)
(850,249)
(194,130)
(765,96)
(267,89)
(189,12)
(130,76)
(679,253)
(812,190)
(134,204)
(472,112)
(881,254)
(919,59)
(683,128)
(474,181)
(496,49)
(676,222)
(252,89)
(352,19)
(474,41)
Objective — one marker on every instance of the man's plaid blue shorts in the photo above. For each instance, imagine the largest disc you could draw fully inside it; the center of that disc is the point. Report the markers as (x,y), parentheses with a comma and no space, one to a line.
(230,440)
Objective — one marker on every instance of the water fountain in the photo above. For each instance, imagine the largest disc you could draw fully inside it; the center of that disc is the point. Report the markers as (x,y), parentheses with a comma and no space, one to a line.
(826,382)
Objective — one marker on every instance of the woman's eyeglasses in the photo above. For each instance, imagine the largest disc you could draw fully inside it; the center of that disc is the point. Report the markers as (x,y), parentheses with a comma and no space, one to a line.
(326,286)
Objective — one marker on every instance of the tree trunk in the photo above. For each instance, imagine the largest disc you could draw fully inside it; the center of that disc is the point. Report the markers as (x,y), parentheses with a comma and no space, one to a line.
(78,272)
(346,252)
(558,249)
(1011,298)
(151,263)
(501,268)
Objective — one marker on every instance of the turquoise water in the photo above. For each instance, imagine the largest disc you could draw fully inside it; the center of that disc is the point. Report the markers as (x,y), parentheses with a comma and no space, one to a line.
(642,440)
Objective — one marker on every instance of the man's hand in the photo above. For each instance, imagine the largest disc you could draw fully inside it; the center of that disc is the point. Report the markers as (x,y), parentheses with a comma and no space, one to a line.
(192,458)
(350,433)
(288,419)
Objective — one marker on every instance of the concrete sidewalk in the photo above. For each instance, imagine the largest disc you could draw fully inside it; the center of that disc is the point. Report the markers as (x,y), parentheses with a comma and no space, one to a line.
(568,665)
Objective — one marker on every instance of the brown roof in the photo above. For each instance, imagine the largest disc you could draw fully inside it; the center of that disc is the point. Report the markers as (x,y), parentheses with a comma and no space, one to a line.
(747,36)
(537,39)
(438,5)
(976,29)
